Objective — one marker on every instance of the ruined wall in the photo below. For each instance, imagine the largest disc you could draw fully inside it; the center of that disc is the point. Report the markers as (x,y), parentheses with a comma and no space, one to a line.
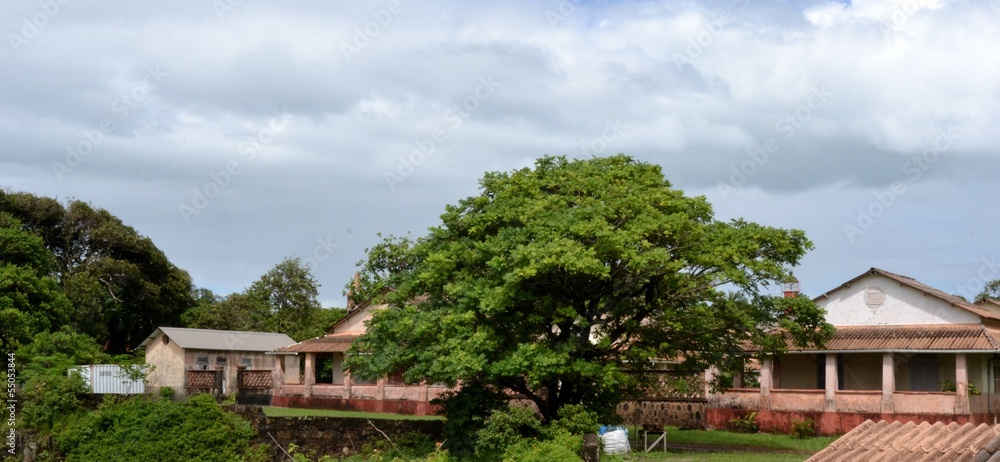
(679,412)
(333,436)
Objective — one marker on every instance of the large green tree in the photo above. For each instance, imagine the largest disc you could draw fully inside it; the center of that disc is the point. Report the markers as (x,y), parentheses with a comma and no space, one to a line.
(285,299)
(564,281)
(31,302)
(121,286)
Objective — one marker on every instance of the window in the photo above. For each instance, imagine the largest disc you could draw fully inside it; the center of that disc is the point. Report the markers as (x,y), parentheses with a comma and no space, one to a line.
(874,297)
(924,373)
(201,363)
(246,362)
(396,379)
(220,362)
(324,368)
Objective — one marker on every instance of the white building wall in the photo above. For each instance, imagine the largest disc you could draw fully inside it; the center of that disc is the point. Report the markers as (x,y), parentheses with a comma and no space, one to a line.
(903,305)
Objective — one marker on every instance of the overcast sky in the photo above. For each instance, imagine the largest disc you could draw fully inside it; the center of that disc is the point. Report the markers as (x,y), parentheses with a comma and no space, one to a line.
(235,133)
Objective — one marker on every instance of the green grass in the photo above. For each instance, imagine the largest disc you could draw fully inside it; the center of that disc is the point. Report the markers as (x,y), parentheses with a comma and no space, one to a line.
(272,411)
(719,457)
(730,446)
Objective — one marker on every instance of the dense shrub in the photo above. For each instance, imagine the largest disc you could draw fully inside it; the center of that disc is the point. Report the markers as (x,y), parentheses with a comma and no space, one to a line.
(466,411)
(158,430)
(517,435)
(504,428)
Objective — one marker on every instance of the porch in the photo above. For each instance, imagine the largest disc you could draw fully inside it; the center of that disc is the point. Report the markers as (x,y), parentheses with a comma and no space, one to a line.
(839,390)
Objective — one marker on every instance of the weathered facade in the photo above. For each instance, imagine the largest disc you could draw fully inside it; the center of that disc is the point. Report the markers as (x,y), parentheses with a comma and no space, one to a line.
(324,383)
(903,351)
(176,352)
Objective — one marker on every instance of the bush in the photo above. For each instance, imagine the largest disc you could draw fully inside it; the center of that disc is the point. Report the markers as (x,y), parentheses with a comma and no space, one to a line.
(465,411)
(157,430)
(803,429)
(563,447)
(745,424)
(167,392)
(503,429)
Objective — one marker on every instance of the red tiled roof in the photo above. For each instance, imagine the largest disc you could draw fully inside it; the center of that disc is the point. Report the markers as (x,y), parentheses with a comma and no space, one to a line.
(883,441)
(944,337)
(331,343)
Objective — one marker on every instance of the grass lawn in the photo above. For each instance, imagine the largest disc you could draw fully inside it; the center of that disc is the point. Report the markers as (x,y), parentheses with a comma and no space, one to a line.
(721,446)
(272,411)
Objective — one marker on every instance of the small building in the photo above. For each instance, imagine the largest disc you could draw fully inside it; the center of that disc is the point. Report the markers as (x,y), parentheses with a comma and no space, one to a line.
(175,352)
(902,351)
(324,383)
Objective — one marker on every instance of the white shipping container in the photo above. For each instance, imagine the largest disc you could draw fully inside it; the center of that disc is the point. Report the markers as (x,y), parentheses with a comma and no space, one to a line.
(109,379)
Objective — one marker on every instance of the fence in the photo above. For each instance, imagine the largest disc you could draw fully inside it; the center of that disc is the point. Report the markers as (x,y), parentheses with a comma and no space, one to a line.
(204,382)
(111,379)
(253,386)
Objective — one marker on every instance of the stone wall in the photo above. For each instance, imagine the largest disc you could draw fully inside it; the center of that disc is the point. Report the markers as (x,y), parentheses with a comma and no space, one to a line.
(333,436)
(680,412)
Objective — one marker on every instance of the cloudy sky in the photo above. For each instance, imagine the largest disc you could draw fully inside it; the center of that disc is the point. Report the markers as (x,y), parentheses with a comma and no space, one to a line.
(235,133)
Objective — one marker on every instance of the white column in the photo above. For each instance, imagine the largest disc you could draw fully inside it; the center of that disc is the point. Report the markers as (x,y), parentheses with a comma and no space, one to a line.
(830,384)
(310,375)
(888,383)
(961,384)
(766,379)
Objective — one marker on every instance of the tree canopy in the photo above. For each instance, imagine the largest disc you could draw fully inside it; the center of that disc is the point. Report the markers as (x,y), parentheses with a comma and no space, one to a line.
(285,299)
(120,285)
(563,282)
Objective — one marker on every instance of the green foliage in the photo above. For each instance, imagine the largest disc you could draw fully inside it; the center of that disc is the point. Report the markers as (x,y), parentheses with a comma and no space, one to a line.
(30,304)
(948,386)
(990,291)
(119,285)
(973,389)
(575,419)
(745,424)
(561,447)
(517,434)
(167,392)
(410,446)
(504,428)
(512,286)
(49,396)
(803,429)
(282,300)
(157,430)
(467,410)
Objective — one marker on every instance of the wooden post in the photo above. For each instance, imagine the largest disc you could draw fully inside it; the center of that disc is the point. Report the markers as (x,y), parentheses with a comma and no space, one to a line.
(591,448)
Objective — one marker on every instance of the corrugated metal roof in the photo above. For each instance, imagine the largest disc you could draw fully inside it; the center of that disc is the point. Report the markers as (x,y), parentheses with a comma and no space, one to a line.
(224,340)
(944,337)
(331,343)
(883,441)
